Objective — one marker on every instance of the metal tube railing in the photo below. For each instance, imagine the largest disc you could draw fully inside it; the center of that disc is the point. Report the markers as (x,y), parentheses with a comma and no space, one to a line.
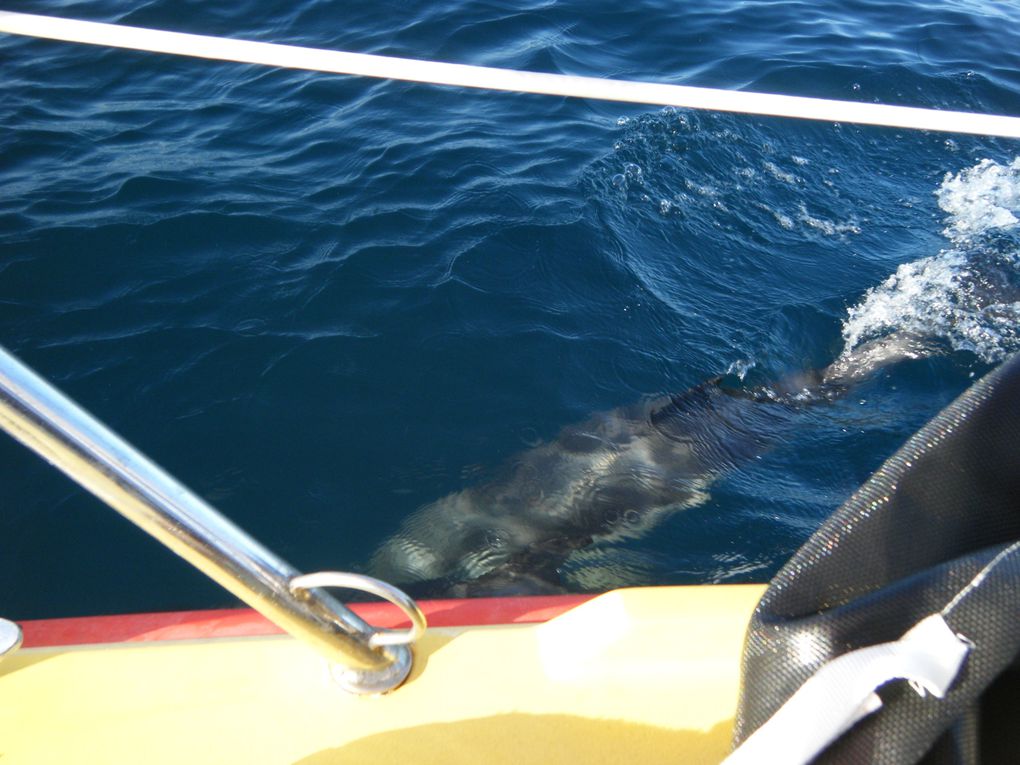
(56,428)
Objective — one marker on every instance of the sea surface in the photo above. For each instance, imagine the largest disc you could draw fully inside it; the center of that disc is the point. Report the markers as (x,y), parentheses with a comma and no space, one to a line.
(323,301)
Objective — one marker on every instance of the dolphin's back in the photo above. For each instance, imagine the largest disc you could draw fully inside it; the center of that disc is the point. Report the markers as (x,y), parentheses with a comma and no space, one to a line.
(720,427)
(612,476)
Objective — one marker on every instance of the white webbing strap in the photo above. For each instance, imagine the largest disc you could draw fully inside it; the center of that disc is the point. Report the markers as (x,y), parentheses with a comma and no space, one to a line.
(438,73)
(842,692)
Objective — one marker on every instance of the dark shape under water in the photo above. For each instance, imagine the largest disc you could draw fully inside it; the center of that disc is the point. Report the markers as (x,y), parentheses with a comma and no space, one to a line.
(612,477)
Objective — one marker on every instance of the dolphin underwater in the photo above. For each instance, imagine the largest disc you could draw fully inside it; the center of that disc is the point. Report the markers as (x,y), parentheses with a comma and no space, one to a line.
(619,473)
(613,476)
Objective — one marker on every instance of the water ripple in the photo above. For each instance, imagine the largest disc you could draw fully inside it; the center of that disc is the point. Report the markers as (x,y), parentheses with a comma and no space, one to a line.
(301,291)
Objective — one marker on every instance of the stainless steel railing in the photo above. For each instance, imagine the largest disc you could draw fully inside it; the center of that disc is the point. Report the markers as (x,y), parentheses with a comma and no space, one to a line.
(10,637)
(46,421)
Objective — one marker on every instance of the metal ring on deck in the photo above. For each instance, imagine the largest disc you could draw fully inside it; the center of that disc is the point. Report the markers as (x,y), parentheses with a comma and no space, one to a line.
(380,589)
(10,637)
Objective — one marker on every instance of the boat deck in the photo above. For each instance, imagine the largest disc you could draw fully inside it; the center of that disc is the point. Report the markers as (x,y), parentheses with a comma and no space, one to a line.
(643,675)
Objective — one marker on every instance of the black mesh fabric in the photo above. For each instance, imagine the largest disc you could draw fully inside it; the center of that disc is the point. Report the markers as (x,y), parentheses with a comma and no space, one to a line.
(935,529)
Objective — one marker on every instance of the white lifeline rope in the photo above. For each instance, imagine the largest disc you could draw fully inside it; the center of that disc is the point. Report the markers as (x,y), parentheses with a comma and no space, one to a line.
(842,693)
(339,62)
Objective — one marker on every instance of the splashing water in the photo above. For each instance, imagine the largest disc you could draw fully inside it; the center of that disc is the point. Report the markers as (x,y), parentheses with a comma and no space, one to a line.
(981,198)
(967,297)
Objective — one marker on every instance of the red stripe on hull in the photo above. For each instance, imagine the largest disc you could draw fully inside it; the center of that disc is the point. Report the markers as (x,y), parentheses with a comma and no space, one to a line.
(243,622)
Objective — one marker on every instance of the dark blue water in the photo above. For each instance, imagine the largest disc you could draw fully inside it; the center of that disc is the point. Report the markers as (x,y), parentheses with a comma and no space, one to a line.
(324,301)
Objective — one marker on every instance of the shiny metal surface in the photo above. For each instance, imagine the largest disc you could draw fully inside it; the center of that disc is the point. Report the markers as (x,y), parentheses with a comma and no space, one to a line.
(10,637)
(53,426)
(380,589)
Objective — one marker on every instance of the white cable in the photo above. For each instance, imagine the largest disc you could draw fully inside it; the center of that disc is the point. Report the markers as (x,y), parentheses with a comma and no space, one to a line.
(339,62)
(842,693)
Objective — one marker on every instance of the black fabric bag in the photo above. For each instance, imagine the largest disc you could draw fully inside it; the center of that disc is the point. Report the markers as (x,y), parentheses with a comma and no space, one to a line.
(937,525)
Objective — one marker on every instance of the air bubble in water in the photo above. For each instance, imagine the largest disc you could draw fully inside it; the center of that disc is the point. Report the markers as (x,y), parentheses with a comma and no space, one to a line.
(632,171)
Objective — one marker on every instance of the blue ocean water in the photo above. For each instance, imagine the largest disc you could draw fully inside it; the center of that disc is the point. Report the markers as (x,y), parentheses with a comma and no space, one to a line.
(322,302)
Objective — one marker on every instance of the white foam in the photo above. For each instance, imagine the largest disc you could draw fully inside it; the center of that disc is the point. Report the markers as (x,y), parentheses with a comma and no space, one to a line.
(783,220)
(968,295)
(980,198)
(741,367)
(827,227)
(781,175)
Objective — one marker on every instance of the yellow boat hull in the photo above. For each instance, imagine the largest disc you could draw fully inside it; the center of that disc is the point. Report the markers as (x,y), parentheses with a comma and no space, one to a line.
(642,675)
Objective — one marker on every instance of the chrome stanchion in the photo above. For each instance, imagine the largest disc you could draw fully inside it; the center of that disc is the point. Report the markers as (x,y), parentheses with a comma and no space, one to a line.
(57,429)
(10,638)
